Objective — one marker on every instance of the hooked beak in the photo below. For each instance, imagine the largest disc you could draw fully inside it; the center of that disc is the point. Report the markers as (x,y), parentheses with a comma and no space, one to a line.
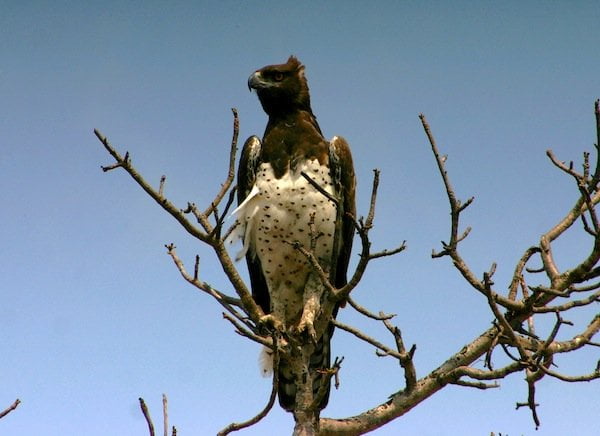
(255,81)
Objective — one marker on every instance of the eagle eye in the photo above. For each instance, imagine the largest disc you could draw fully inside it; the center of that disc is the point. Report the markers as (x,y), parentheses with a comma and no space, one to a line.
(278,76)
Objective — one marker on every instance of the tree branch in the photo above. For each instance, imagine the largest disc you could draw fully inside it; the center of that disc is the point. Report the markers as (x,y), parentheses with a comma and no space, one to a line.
(206,235)
(238,426)
(231,169)
(10,408)
(147,416)
(360,335)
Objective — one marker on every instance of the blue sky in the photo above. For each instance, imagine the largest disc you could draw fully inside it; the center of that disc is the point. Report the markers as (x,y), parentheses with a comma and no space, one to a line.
(94,314)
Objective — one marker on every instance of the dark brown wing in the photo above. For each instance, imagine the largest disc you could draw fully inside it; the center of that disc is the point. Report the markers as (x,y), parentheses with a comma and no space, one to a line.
(249,162)
(342,172)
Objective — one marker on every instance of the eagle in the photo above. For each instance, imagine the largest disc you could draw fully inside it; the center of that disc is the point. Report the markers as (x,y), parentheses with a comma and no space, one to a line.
(295,189)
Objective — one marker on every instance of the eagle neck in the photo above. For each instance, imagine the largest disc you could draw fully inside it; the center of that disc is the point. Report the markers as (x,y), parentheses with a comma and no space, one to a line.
(293,121)
(292,138)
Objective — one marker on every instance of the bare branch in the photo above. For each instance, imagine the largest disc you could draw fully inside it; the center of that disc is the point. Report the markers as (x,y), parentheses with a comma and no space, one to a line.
(319,188)
(248,302)
(594,298)
(247,332)
(455,204)
(596,177)
(373,202)
(518,273)
(238,426)
(531,404)
(147,416)
(231,170)
(10,408)
(582,339)
(314,263)
(225,300)
(161,187)
(360,335)
(165,416)
(328,373)
(478,374)
(125,163)
(572,379)
(477,385)
(406,358)
(506,328)
(386,252)
(360,309)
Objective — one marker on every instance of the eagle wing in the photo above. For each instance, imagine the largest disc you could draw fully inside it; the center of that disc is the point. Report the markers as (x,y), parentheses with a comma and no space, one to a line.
(344,181)
(249,162)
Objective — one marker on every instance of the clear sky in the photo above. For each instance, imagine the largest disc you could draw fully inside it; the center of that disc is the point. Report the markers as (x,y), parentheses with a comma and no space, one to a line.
(94,314)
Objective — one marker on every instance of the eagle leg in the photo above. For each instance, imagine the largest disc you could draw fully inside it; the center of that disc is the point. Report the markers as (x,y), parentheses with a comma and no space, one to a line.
(312,305)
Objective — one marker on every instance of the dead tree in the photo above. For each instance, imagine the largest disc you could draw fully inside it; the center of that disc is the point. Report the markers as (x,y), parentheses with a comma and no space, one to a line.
(514,312)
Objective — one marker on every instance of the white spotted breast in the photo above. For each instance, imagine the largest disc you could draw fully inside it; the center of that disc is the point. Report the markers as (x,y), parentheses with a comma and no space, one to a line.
(277,213)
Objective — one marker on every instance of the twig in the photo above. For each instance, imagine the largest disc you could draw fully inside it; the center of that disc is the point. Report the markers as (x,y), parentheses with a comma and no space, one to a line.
(238,426)
(386,252)
(319,188)
(147,416)
(477,385)
(595,297)
(326,383)
(455,205)
(406,358)
(478,374)
(10,408)
(362,229)
(314,263)
(373,202)
(531,399)
(219,296)
(360,309)
(165,416)
(506,328)
(387,351)
(161,187)
(572,379)
(518,272)
(247,332)
(125,163)
(231,169)
(224,300)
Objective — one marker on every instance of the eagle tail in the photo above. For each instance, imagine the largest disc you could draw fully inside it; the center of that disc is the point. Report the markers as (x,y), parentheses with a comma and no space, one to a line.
(320,361)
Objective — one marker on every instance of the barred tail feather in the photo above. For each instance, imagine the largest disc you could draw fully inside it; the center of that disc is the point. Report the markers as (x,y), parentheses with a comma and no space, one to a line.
(319,361)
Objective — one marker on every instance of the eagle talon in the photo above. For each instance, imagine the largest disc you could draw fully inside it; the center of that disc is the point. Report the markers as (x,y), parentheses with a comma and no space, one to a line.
(270,323)
(306,327)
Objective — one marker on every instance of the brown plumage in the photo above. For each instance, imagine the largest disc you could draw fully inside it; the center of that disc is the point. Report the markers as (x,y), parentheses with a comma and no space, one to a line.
(276,203)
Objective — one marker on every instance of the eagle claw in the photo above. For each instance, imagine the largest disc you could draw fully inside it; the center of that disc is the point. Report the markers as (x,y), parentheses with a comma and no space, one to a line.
(306,326)
(271,323)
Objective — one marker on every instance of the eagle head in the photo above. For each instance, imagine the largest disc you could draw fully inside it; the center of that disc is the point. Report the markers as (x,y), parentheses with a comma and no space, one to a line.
(281,88)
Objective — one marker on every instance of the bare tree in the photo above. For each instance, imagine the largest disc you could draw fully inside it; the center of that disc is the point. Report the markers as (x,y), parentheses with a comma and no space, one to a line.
(514,313)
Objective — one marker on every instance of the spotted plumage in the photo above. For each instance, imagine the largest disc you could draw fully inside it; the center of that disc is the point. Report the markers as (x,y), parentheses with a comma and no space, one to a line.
(281,209)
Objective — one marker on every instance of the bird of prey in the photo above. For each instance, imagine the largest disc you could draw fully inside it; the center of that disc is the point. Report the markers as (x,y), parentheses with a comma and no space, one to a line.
(295,188)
